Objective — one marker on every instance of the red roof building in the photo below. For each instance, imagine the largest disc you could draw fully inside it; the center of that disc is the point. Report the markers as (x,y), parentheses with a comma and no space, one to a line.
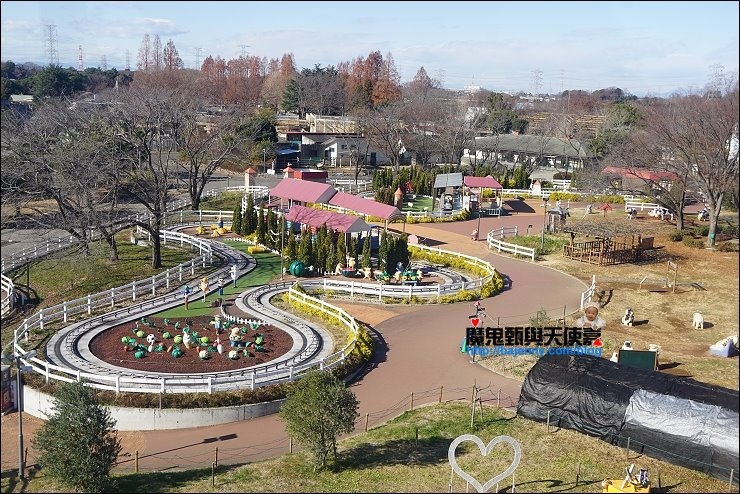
(364,206)
(292,191)
(315,218)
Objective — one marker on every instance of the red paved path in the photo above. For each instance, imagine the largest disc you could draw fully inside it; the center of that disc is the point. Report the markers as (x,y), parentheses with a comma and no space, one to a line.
(420,353)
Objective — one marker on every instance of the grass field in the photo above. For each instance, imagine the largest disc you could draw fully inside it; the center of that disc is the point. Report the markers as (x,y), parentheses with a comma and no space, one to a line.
(409,454)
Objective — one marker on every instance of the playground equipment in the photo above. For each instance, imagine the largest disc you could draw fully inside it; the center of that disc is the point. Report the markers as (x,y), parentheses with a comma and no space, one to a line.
(631,483)
(297,268)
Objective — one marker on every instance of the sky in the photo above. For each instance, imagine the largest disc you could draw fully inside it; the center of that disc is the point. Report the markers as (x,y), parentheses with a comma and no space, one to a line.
(644,48)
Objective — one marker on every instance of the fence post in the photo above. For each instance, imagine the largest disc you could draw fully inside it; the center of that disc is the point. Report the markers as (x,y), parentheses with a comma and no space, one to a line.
(136,461)
(215,456)
(440,394)
(548,421)
(627,449)
(498,399)
(412,400)
(213,475)
(89,304)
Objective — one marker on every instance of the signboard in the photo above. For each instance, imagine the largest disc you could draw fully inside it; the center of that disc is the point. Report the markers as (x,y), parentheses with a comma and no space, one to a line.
(640,359)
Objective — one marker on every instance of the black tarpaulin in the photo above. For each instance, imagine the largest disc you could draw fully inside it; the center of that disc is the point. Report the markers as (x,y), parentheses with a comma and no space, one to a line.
(675,419)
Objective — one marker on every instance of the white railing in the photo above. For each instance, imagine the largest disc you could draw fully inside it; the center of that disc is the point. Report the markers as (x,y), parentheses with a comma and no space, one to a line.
(590,292)
(376,290)
(349,185)
(500,246)
(341,315)
(9,288)
(636,204)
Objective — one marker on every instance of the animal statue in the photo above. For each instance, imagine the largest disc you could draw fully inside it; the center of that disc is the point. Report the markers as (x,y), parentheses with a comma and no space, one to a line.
(235,338)
(615,357)
(698,321)
(627,345)
(204,355)
(151,338)
(703,215)
(629,317)
(233,354)
(339,269)
(187,339)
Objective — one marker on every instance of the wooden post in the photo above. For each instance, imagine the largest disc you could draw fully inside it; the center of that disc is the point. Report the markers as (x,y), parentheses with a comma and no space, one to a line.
(290,445)
(440,394)
(213,474)
(367,415)
(548,421)
(416,440)
(136,461)
(627,449)
(732,474)
(472,396)
(498,399)
(578,473)
(215,456)
(412,400)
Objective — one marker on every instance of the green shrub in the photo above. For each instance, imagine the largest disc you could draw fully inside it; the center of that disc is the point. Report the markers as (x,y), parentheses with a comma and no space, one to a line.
(728,247)
(693,242)
(676,236)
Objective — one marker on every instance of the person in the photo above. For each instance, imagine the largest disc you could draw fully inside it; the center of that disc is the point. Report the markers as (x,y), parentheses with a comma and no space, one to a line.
(186,291)
(590,317)
(474,235)
(478,308)
(221,286)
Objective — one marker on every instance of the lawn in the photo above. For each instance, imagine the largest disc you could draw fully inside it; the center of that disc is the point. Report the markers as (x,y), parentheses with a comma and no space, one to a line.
(409,454)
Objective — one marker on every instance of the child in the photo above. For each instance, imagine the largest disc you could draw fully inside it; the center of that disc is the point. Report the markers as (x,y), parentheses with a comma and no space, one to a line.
(590,317)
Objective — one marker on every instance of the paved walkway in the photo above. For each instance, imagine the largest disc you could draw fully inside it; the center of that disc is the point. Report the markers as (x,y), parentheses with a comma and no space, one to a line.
(418,351)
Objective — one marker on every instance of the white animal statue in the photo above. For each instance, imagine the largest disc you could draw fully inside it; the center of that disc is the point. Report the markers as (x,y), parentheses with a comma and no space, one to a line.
(627,345)
(698,321)
(615,357)
(187,339)
(629,317)
(203,354)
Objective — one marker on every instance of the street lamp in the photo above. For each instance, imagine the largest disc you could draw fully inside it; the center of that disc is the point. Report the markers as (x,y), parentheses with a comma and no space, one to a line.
(544,222)
(19,399)
(477,229)
(282,237)
(264,160)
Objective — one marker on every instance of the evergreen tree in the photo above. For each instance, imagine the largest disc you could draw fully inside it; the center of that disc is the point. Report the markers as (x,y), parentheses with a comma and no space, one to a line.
(261,226)
(77,444)
(236,223)
(331,256)
(305,251)
(383,252)
(250,216)
(270,228)
(341,249)
(367,261)
(291,249)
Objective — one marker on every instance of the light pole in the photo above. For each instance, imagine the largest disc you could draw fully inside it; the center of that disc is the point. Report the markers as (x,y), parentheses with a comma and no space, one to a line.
(264,160)
(544,222)
(19,399)
(282,237)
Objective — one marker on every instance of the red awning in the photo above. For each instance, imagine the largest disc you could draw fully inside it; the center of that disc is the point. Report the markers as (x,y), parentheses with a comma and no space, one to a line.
(336,221)
(487,182)
(303,191)
(364,206)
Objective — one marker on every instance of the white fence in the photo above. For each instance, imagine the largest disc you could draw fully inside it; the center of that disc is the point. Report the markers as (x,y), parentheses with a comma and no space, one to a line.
(640,206)
(586,296)
(500,246)
(9,288)
(378,291)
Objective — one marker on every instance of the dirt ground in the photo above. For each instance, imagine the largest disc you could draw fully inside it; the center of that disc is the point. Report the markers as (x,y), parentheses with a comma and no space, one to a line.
(108,347)
(706,282)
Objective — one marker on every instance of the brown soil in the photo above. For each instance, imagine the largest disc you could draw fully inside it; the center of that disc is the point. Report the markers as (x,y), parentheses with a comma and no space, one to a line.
(108,347)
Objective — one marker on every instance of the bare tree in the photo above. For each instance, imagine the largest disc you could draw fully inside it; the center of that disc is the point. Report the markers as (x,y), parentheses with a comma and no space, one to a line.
(385,130)
(56,166)
(147,126)
(697,138)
